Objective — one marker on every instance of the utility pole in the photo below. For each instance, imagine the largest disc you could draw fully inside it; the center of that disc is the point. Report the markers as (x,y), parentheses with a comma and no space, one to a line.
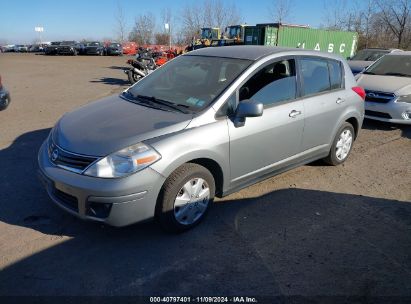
(168,27)
(39,29)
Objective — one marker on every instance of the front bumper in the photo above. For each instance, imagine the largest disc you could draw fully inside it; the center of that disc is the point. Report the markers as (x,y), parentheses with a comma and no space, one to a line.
(93,51)
(389,112)
(116,202)
(114,52)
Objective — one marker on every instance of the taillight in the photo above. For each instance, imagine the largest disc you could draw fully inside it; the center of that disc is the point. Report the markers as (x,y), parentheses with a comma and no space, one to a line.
(360,91)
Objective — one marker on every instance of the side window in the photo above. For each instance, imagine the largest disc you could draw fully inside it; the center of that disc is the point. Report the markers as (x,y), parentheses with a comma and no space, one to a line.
(335,74)
(315,75)
(274,83)
(229,106)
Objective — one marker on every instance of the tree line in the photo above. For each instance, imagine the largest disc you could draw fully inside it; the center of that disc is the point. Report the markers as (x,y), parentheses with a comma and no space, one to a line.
(379,23)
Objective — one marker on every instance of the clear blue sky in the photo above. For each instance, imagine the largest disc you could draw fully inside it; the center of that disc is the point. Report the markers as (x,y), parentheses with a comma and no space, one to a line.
(94,19)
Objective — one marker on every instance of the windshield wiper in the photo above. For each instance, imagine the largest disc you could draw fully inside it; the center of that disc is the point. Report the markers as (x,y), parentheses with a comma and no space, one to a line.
(397,74)
(169,104)
(146,102)
(368,73)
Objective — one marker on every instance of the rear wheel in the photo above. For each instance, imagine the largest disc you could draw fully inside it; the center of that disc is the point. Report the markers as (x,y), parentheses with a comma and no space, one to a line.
(4,103)
(185,198)
(342,145)
(133,77)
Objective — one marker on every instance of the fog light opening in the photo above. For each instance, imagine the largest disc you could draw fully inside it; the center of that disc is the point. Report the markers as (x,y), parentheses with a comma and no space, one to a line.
(406,115)
(99,210)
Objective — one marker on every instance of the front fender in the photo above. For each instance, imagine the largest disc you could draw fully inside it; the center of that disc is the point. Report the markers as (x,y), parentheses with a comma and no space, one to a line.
(210,141)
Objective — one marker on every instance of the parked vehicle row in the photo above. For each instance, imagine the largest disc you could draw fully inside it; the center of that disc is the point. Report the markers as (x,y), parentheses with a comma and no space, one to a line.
(88,48)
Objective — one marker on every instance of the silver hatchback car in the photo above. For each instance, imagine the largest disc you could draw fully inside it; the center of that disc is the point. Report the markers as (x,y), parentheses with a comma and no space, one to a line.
(206,124)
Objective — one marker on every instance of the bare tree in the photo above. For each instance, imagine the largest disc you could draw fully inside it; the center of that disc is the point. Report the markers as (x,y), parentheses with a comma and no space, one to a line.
(121,24)
(192,21)
(336,14)
(396,14)
(280,10)
(143,30)
(367,15)
(209,13)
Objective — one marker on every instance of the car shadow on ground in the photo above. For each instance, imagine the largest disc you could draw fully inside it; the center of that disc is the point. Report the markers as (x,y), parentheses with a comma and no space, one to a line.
(370,124)
(115,67)
(287,242)
(113,81)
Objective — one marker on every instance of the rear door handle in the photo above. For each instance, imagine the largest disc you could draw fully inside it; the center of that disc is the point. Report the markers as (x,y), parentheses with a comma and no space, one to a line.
(339,100)
(294,113)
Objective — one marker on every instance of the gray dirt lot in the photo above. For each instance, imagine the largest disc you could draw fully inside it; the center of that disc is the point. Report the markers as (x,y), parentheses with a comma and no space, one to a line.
(316,230)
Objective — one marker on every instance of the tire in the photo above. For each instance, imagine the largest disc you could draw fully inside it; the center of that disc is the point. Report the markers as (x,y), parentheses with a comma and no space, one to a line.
(5,103)
(193,204)
(341,148)
(133,77)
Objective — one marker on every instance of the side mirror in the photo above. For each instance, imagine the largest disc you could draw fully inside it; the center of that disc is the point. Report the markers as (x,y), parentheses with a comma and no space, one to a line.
(247,108)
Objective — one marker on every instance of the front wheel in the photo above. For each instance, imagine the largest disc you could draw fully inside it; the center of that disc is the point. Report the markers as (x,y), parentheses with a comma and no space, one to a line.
(342,145)
(185,198)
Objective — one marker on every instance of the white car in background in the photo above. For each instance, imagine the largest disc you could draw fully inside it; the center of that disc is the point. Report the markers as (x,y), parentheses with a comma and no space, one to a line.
(387,84)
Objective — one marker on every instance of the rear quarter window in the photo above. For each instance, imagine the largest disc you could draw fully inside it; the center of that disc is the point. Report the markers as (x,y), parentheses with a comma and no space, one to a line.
(336,78)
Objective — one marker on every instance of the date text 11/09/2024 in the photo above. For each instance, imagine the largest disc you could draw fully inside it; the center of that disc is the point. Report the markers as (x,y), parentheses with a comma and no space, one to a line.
(203,300)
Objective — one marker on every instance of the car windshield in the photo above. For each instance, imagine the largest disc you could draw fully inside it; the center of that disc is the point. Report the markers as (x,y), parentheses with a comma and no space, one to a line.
(189,81)
(67,42)
(392,65)
(369,55)
(115,45)
(93,43)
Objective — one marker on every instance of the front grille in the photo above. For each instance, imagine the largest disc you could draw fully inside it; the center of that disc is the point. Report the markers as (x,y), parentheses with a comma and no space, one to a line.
(65,199)
(377,114)
(379,97)
(68,160)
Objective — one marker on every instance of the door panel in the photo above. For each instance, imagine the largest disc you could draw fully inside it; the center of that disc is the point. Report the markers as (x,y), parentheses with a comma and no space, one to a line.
(265,140)
(322,112)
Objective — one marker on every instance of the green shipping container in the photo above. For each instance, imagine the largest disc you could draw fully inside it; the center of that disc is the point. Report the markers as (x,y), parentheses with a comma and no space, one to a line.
(338,42)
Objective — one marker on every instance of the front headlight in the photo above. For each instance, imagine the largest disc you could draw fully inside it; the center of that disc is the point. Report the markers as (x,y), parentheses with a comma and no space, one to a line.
(124,162)
(404,98)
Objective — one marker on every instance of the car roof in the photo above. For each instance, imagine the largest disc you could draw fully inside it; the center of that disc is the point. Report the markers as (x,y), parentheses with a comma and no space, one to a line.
(254,52)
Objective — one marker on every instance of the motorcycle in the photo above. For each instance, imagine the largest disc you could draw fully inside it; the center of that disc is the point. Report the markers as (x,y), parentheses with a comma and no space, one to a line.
(143,65)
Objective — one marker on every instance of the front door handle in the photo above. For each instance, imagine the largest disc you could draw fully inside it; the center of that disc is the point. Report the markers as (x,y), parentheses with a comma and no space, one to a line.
(339,100)
(294,113)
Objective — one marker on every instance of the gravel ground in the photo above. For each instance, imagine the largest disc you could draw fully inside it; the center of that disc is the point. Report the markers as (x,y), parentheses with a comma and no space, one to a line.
(313,231)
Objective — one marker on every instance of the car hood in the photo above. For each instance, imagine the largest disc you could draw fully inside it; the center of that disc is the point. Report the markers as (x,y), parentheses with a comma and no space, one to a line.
(359,64)
(391,84)
(113,123)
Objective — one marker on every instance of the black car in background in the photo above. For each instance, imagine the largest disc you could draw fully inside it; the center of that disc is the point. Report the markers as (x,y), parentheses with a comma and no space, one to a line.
(69,48)
(114,48)
(94,48)
(52,48)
